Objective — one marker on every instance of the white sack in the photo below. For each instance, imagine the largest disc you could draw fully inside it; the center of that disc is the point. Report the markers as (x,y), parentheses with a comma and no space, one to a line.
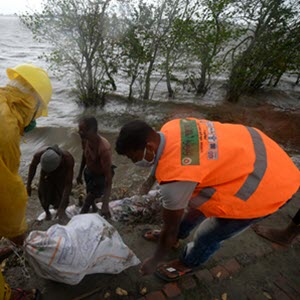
(87,244)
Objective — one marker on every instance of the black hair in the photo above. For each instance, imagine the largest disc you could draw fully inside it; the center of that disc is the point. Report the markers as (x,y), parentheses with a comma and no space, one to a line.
(91,123)
(133,136)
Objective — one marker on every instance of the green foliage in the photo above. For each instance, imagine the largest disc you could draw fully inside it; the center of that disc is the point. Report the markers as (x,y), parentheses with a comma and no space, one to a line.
(269,48)
(135,43)
(97,42)
(207,35)
(149,44)
(79,32)
(173,46)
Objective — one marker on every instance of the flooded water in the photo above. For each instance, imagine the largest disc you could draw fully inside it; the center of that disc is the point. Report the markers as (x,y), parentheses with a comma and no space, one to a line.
(60,127)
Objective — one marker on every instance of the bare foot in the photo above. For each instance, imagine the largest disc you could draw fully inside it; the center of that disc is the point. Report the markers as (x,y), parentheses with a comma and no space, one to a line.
(63,220)
(48,217)
(273,235)
(154,234)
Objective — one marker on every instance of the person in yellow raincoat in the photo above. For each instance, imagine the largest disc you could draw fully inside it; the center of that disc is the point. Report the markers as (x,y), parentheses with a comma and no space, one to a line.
(24,99)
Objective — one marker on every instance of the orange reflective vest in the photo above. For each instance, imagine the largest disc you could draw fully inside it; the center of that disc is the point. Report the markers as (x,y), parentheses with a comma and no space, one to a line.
(241,173)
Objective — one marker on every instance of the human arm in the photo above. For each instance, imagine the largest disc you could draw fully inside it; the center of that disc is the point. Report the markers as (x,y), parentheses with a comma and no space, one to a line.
(106,162)
(69,161)
(32,170)
(168,237)
(175,198)
(147,185)
(82,165)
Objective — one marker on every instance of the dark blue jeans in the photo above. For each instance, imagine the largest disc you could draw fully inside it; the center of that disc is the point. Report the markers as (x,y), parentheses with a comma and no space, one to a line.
(211,233)
(209,236)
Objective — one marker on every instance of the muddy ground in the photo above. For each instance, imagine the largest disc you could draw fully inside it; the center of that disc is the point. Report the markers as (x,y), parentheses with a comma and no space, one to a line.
(282,126)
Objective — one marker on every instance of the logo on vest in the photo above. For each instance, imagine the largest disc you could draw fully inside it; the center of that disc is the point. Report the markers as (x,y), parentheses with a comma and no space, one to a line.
(186,161)
(189,142)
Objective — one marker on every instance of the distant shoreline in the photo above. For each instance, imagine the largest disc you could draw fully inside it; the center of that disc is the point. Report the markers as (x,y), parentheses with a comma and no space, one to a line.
(9,15)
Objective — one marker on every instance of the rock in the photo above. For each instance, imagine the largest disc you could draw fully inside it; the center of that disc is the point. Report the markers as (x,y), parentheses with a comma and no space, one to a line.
(143,291)
(121,292)
(224,296)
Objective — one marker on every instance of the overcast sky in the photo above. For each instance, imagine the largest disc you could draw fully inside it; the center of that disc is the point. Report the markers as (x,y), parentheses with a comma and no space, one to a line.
(18,6)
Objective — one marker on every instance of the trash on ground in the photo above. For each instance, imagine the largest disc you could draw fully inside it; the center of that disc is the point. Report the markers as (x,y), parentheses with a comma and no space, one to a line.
(2,265)
(267,295)
(121,292)
(143,291)
(224,296)
(137,208)
(133,209)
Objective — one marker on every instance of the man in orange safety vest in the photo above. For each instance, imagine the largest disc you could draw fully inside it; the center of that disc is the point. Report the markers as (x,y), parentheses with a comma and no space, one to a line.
(211,175)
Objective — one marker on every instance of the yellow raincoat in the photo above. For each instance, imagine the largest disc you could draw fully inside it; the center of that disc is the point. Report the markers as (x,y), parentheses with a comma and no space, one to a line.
(5,291)
(16,111)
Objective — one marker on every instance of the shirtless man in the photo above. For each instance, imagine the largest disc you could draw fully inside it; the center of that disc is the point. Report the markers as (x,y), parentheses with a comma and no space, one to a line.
(56,178)
(96,163)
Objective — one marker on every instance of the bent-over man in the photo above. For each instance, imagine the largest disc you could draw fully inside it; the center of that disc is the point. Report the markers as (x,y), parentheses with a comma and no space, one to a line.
(220,177)
(56,178)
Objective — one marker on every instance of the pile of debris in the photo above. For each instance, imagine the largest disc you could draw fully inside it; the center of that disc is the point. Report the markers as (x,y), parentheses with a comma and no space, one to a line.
(138,209)
(129,210)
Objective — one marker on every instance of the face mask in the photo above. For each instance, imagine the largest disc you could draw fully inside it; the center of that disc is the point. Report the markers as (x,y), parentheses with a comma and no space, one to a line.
(144,162)
(32,123)
(30,126)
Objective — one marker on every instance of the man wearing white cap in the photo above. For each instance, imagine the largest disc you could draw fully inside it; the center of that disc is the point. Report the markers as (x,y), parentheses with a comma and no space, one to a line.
(56,178)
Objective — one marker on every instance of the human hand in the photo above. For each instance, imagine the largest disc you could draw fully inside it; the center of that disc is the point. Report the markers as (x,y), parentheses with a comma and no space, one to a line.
(147,185)
(62,217)
(148,266)
(105,211)
(79,180)
(145,188)
(29,190)
(19,240)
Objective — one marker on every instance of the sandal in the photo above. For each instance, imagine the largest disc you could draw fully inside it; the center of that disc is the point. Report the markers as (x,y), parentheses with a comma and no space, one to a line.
(174,270)
(20,294)
(153,235)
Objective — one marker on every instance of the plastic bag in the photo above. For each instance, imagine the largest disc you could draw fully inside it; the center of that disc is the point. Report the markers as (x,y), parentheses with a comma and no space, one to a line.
(87,244)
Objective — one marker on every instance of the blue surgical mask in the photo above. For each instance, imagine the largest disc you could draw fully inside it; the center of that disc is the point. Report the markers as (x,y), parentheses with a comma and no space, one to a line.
(144,162)
(30,126)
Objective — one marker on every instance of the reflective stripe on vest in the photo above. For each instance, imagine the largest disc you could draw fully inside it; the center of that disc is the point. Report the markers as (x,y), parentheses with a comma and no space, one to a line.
(260,166)
(253,179)
(203,196)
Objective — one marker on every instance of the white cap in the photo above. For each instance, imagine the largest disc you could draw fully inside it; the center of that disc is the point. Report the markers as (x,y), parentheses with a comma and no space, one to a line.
(50,160)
